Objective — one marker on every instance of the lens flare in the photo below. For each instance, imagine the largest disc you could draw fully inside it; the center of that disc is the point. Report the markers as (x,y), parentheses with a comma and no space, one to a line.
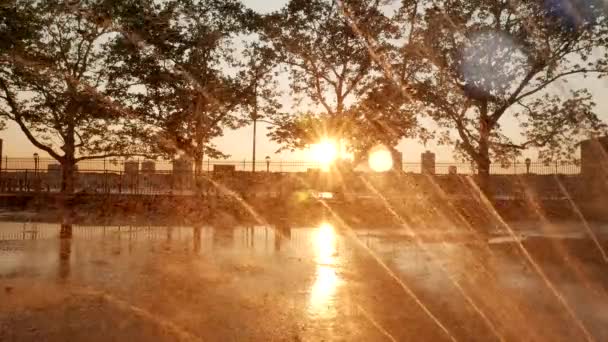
(380,159)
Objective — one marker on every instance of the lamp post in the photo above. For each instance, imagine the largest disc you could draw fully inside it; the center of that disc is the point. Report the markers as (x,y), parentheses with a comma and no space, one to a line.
(528,163)
(35,181)
(267,163)
(36,159)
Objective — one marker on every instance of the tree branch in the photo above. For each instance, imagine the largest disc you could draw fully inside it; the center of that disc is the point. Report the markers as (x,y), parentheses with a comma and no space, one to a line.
(17,118)
(553,79)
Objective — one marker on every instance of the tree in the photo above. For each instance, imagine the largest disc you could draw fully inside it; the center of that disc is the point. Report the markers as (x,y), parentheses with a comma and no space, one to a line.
(176,67)
(383,116)
(329,64)
(260,76)
(470,65)
(52,82)
(17,25)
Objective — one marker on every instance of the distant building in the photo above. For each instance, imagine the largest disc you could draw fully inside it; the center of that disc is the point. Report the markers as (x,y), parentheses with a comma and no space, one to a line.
(182,173)
(594,157)
(428,163)
(131,167)
(55,168)
(223,168)
(398,161)
(148,166)
(54,173)
(182,165)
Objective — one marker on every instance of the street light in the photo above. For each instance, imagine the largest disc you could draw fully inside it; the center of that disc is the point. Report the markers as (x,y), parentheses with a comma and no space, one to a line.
(36,159)
(267,163)
(528,163)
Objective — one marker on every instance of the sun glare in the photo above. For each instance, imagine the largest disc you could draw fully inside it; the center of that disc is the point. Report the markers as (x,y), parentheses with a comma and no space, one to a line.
(323,290)
(380,159)
(325,152)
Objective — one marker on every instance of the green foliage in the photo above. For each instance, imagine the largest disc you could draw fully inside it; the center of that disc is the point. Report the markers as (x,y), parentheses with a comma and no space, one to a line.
(53,77)
(259,75)
(330,67)
(382,116)
(89,78)
(173,67)
(470,64)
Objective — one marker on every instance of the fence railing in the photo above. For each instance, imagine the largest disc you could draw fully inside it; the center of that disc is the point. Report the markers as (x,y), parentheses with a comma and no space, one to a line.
(121,165)
(116,165)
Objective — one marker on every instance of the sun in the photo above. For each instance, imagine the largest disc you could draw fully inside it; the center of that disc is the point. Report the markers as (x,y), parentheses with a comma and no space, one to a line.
(380,159)
(324,152)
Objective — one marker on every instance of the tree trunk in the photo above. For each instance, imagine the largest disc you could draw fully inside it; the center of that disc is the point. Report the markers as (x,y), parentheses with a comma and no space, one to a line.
(68,168)
(483,158)
(198,171)
(483,175)
(198,164)
(199,156)
(68,163)
(199,150)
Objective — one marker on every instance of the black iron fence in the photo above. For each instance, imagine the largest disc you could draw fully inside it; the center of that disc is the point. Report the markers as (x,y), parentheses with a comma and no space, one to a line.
(164,166)
(118,165)
(118,176)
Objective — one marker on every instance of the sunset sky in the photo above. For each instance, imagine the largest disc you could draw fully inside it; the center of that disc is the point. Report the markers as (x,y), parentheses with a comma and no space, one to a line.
(238,143)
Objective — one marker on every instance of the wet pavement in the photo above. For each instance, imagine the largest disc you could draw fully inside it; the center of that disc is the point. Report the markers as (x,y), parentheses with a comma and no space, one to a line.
(322,283)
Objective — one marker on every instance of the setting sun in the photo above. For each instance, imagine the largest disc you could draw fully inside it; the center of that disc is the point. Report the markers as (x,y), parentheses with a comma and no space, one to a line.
(325,152)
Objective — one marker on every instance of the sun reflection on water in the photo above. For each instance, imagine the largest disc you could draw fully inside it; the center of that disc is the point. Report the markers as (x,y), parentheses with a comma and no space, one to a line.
(324,288)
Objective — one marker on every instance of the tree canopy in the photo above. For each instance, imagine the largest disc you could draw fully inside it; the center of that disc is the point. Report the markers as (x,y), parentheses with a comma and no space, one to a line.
(329,65)
(176,66)
(469,65)
(53,80)
(88,79)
